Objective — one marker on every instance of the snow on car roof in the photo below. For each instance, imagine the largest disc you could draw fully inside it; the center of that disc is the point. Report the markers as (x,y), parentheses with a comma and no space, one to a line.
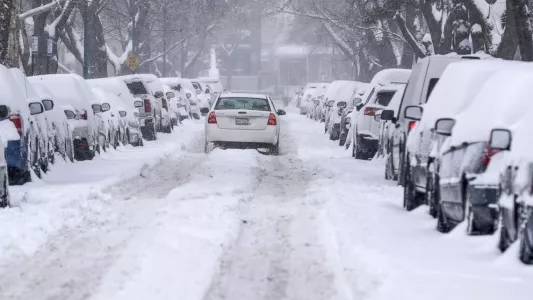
(66,88)
(11,94)
(115,86)
(457,88)
(243,95)
(393,76)
(502,100)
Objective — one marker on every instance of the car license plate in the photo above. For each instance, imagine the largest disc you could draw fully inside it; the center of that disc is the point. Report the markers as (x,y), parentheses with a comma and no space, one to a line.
(241,121)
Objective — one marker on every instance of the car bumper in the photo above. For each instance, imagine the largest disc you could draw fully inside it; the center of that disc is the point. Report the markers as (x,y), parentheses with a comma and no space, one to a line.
(16,155)
(267,136)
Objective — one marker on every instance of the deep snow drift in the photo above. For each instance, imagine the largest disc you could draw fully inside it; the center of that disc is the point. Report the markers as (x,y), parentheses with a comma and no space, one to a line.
(170,222)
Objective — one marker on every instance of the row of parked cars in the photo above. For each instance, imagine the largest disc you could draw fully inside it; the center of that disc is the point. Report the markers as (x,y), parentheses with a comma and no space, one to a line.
(63,116)
(456,135)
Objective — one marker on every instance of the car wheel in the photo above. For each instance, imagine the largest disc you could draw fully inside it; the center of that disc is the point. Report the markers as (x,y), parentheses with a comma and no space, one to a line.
(5,199)
(442,223)
(470,222)
(526,245)
(36,164)
(411,198)
(207,147)
(342,139)
(275,149)
(505,238)
(387,169)
(431,192)
(358,153)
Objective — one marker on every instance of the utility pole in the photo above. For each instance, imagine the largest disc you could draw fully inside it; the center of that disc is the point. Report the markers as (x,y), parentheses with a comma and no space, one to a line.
(85,40)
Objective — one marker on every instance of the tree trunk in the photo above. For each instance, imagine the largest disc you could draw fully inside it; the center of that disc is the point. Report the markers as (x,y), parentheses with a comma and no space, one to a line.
(9,46)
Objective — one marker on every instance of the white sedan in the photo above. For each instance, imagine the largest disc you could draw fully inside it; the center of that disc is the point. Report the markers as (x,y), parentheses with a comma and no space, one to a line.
(239,120)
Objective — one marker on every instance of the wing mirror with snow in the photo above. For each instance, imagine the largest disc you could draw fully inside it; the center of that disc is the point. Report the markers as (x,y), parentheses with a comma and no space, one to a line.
(198,92)
(170,95)
(106,107)
(387,115)
(138,103)
(123,113)
(4,111)
(48,105)
(159,94)
(500,139)
(413,112)
(204,110)
(36,108)
(377,117)
(444,126)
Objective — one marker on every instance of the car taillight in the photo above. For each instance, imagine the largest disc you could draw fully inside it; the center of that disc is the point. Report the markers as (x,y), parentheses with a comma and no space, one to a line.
(212,119)
(17,121)
(412,125)
(488,153)
(84,115)
(370,111)
(147,105)
(272,119)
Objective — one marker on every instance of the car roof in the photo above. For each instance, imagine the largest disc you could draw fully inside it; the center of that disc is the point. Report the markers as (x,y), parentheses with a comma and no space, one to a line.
(243,95)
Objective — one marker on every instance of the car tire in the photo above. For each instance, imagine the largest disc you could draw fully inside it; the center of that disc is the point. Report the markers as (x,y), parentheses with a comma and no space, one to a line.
(358,153)
(274,150)
(5,199)
(442,223)
(411,198)
(470,221)
(342,139)
(431,195)
(207,147)
(504,241)
(36,164)
(526,245)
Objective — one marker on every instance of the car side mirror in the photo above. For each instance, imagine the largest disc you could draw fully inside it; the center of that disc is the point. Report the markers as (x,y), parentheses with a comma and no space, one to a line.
(97,108)
(36,108)
(48,105)
(204,110)
(170,95)
(500,139)
(207,91)
(359,106)
(106,107)
(377,117)
(413,112)
(123,113)
(4,111)
(198,92)
(159,94)
(387,115)
(138,103)
(444,126)
(281,112)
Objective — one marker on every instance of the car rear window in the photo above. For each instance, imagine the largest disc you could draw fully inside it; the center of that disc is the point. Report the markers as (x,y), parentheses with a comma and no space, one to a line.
(384,98)
(431,85)
(137,88)
(242,103)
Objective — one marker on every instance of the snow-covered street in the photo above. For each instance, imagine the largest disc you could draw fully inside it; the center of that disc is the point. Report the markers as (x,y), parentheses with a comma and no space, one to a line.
(168,221)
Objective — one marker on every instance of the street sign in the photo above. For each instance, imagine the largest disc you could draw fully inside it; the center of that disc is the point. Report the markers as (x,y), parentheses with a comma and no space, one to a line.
(132,62)
(49,47)
(34,44)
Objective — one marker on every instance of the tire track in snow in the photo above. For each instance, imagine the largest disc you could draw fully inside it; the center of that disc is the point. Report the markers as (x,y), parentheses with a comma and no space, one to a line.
(278,253)
(73,263)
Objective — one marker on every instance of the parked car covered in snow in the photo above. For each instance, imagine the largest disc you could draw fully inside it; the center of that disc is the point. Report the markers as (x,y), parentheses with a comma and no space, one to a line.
(173,103)
(457,88)
(307,96)
(126,102)
(203,98)
(187,95)
(72,91)
(43,136)
(467,191)
(22,152)
(423,78)
(386,135)
(108,118)
(59,128)
(6,129)
(340,92)
(514,163)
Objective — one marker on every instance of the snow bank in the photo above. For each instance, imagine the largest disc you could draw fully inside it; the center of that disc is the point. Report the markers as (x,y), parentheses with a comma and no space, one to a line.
(69,193)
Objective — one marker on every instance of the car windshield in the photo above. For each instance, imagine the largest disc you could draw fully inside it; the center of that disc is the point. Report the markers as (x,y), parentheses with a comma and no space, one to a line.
(226,103)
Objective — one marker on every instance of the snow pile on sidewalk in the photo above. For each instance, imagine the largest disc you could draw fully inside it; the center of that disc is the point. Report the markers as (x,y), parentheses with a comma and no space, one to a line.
(72,192)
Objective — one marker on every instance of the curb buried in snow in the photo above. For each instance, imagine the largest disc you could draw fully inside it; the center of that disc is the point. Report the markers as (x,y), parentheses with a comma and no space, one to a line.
(46,207)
